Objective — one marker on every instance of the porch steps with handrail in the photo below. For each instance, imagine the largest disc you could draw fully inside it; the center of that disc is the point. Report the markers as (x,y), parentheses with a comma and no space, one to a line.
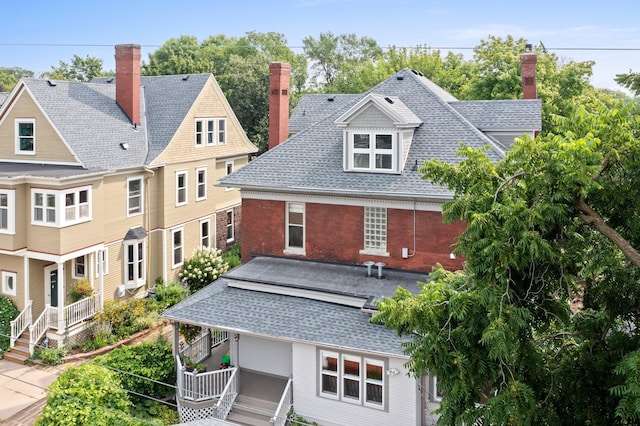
(252,411)
(19,353)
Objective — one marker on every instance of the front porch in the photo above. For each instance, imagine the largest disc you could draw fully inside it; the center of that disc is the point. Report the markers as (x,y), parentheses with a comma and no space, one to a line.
(232,393)
(26,333)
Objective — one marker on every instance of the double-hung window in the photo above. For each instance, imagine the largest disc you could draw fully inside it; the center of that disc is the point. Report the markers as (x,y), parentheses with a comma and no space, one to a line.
(135,199)
(375,231)
(205,237)
(373,151)
(7,211)
(181,188)
(102,262)
(295,228)
(76,205)
(26,136)
(201,183)
(44,207)
(134,263)
(230,233)
(61,208)
(352,378)
(79,267)
(210,131)
(177,248)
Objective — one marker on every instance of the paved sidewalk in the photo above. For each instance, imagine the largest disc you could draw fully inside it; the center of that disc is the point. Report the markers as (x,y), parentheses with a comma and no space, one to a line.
(22,386)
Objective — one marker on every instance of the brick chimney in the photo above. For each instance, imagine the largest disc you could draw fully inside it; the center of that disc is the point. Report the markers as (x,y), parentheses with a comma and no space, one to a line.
(279,73)
(528,70)
(128,80)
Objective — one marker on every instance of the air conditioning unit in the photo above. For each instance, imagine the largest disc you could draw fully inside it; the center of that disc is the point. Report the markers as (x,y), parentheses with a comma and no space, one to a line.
(120,292)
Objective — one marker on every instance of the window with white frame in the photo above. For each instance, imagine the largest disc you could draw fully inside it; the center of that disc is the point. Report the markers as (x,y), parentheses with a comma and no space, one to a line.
(26,136)
(7,211)
(205,236)
(352,378)
(230,225)
(135,199)
(435,393)
(210,131)
(181,188)
(295,227)
(134,263)
(228,170)
(102,262)
(375,230)
(61,208)
(201,183)
(177,248)
(79,267)
(372,151)
(9,283)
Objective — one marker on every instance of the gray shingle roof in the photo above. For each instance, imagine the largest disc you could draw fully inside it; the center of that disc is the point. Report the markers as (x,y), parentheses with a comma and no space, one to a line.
(502,114)
(15,170)
(94,126)
(313,108)
(278,315)
(311,161)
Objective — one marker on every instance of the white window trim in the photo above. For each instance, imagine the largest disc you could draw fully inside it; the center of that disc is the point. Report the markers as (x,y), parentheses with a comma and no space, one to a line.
(138,281)
(372,250)
(141,196)
(362,379)
(175,231)
(203,184)
(102,263)
(208,236)
(218,131)
(19,121)
(222,132)
(351,150)
(60,206)
(202,133)
(295,250)
(74,262)
(186,188)
(433,391)
(227,172)
(6,275)
(230,225)
(11,211)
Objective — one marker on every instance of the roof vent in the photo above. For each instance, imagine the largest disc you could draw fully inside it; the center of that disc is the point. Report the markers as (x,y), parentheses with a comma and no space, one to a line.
(400,77)
(527,47)
(124,145)
(380,265)
(415,72)
(110,80)
(388,99)
(185,78)
(331,98)
(369,264)
(52,83)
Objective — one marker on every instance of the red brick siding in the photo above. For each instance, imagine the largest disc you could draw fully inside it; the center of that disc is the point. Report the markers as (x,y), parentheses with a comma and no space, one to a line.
(336,234)
(221,228)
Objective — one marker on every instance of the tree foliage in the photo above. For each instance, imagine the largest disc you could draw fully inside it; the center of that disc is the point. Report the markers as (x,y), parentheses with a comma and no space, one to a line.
(9,77)
(80,69)
(8,312)
(541,327)
(87,395)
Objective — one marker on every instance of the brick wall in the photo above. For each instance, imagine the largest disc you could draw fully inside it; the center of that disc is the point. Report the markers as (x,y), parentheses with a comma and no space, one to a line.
(336,234)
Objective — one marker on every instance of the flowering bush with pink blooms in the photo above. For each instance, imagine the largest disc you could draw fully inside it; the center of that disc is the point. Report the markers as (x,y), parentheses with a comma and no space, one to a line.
(204,267)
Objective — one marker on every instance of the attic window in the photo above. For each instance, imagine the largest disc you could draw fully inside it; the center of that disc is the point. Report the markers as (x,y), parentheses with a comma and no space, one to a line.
(372,151)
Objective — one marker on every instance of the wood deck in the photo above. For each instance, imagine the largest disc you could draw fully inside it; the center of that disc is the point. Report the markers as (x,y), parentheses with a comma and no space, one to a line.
(261,386)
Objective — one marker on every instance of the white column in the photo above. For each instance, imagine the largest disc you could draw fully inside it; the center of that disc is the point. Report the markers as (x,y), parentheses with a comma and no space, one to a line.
(25,274)
(61,294)
(100,255)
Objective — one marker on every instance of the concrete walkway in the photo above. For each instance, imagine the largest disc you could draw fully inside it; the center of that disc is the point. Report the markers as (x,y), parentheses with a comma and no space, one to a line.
(22,387)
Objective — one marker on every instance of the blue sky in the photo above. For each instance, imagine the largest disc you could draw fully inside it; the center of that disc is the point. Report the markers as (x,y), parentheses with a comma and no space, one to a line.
(39,34)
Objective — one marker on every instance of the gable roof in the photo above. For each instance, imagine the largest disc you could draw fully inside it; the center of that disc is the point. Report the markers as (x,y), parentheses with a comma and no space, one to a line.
(311,161)
(95,128)
(391,106)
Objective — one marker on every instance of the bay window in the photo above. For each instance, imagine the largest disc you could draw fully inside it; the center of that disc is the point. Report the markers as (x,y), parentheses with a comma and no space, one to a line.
(134,263)
(61,208)
(7,211)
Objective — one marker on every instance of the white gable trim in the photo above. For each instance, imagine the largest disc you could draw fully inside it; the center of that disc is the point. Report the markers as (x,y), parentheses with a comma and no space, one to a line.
(388,108)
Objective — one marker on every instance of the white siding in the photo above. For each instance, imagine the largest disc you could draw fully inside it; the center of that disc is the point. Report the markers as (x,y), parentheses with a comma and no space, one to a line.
(267,356)
(371,117)
(403,396)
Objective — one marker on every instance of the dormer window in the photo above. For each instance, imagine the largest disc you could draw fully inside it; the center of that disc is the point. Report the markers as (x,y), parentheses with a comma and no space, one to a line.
(373,151)
(25,137)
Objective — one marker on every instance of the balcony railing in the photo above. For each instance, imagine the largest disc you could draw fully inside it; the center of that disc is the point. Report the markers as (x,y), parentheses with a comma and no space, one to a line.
(202,386)
(280,417)
(229,394)
(20,324)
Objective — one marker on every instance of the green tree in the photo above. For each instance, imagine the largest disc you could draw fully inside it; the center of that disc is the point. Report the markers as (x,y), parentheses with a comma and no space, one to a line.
(541,327)
(87,395)
(80,69)
(9,77)
(630,80)
(8,312)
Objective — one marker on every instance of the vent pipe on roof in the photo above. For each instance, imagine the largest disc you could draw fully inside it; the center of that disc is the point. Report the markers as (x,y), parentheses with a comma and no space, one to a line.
(369,264)
(380,265)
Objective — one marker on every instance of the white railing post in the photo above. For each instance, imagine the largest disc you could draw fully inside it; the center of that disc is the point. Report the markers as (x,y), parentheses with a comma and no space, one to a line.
(20,324)
(286,401)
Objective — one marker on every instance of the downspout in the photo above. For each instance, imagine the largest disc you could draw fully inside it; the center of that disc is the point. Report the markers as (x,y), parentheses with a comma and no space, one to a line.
(148,175)
(414,229)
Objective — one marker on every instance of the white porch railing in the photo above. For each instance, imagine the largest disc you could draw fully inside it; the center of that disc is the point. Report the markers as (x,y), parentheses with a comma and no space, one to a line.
(41,325)
(202,386)
(280,417)
(81,310)
(199,349)
(20,324)
(229,394)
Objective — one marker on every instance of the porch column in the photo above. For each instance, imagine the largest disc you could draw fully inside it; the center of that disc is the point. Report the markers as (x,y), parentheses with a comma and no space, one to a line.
(100,270)
(61,298)
(25,274)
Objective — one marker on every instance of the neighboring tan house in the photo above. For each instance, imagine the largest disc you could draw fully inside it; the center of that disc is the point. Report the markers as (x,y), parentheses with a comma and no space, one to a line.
(334,218)
(113,182)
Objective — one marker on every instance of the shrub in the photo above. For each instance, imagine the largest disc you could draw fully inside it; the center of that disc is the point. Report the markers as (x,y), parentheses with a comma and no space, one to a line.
(147,360)
(87,395)
(8,312)
(102,334)
(122,315)
(232,256)
(80,290)
(170,294)
(204,267)
(49,356)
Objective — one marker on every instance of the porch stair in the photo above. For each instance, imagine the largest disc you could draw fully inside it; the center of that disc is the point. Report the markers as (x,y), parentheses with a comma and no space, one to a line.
(250,411)
(20,351)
